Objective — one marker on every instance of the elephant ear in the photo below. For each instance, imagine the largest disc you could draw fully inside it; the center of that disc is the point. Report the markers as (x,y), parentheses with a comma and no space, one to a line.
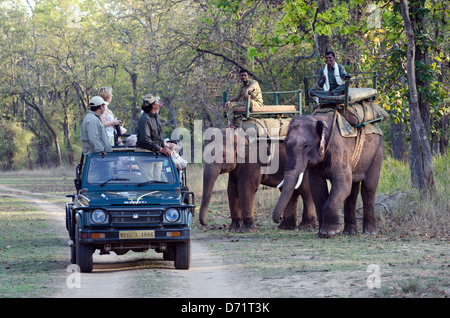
(321,128)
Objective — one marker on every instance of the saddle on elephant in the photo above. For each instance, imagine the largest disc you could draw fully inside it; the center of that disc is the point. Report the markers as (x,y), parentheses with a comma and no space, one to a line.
(277,104)
(269,128)
(356,109)
(362,116)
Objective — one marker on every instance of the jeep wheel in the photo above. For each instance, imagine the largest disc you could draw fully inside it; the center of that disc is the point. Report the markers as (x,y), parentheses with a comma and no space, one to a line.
(73,254)
(183,255)
(169,255)
(84,255)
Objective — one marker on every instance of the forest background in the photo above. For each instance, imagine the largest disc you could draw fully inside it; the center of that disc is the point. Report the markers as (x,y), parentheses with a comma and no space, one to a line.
(55,55)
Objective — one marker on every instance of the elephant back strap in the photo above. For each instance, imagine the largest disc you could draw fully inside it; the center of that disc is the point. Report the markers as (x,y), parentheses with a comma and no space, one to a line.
(360,138)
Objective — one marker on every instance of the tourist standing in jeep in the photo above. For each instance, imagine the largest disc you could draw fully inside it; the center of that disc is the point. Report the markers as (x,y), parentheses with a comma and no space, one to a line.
(149,134)
(94,138)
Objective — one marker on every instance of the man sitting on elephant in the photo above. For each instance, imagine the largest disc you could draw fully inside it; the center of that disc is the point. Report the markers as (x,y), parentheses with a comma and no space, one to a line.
(330,78)
(248,89)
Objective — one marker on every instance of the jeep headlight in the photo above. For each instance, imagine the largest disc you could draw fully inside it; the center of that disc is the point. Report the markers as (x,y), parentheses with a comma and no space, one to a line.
(98,216)
(172,215)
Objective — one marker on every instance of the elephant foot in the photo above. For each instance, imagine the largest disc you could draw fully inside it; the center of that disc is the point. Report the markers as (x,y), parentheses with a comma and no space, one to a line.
(372,230)
(247,228)
(234,226)
(307,225)
(350,230)
(329,230)
(288,224)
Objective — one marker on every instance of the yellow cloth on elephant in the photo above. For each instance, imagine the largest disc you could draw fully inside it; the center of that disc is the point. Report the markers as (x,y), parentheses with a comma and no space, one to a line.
(264,127)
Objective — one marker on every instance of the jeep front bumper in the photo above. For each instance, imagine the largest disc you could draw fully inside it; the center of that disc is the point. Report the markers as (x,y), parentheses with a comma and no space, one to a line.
(130,236)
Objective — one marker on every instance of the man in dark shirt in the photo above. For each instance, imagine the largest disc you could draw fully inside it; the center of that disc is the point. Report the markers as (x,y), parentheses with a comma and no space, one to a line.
(149,134)
(149,137)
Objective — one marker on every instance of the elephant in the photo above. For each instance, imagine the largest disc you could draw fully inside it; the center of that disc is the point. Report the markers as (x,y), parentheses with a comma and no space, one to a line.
(312,143)
(244,178)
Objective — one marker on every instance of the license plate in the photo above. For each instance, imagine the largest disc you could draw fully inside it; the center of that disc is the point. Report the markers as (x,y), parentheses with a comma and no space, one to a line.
(130,235)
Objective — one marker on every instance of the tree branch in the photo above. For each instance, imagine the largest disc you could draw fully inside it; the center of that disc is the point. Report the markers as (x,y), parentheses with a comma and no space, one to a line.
(228,60)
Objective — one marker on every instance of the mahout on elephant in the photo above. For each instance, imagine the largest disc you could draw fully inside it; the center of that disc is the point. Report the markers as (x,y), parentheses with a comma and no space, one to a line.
(314,144)
(245,173)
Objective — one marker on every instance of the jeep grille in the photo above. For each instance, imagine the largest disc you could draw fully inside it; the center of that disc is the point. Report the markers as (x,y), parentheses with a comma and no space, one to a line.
(132,218)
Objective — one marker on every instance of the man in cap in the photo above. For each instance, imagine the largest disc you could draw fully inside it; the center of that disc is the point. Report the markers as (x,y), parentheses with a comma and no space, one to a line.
(93,134)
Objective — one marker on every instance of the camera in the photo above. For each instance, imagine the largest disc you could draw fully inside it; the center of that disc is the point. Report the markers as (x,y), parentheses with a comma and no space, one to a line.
(118,129)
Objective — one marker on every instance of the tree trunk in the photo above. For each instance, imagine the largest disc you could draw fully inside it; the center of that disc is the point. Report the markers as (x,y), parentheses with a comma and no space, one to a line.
(66,126)
(418,131)
(322,41)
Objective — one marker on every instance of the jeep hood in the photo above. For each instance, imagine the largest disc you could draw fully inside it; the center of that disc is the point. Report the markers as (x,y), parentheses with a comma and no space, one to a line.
(154,197)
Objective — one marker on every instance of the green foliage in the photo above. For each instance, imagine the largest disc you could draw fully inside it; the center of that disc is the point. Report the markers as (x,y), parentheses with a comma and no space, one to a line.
(57,53)
(14,146)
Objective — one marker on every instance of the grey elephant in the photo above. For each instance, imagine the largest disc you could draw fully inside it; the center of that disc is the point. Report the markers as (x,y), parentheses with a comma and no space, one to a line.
(313,143)
(243,181)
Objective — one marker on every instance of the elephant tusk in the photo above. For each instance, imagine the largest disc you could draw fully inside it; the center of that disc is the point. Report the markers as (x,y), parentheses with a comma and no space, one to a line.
(281,183)
(300,178)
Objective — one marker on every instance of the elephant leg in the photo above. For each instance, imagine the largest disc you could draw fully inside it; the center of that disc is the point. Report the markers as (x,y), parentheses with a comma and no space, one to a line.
(368,198)
(233,201)
(350,211)
(290,214)
(319,194)
(331,224)
(309,219)
(247,187)
(368,192)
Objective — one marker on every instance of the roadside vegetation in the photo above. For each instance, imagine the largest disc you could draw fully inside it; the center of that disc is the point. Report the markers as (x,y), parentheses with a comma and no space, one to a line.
(411,250)
(30,250)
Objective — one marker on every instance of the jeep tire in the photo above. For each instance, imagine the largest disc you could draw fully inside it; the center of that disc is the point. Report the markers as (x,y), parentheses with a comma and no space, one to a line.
(183,255)
(73,254)
(169,255)
(84,255)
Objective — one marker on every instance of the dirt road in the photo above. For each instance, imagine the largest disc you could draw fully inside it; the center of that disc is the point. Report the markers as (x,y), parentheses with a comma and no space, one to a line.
(118,276)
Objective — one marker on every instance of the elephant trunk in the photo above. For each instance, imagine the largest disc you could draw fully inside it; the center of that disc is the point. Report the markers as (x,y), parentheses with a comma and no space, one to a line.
(291,182)
(210,174)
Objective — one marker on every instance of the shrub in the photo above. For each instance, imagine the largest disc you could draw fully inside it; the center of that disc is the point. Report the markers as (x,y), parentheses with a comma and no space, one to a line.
(13,148)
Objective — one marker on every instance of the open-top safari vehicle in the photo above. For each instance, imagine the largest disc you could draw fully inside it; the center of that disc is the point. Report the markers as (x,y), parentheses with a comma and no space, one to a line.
(127,200)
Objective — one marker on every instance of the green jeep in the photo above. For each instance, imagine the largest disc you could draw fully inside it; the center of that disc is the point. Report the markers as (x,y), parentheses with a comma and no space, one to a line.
(127,200)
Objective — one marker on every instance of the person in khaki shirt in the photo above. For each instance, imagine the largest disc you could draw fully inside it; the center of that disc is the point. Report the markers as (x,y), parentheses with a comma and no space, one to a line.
(94,138)
(248,89)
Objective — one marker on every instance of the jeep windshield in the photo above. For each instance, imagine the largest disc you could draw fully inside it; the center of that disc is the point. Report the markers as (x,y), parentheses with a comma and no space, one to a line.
(120,168)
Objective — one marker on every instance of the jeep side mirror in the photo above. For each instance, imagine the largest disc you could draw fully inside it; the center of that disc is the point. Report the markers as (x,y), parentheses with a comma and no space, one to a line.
(77,183)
